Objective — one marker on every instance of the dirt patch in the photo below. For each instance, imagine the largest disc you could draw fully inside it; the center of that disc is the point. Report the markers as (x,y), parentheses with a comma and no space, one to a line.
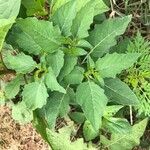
(18,137)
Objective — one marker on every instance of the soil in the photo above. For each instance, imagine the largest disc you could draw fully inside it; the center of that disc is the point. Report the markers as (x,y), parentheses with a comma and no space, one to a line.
(18,137)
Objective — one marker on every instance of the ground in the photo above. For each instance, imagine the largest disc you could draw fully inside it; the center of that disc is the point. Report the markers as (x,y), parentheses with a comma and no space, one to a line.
(18,137)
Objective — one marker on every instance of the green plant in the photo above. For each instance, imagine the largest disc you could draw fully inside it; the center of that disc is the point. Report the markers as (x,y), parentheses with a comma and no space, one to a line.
(139,75)
(64,71)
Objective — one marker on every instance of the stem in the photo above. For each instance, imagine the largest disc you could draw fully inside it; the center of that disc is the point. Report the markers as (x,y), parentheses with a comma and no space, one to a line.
(131,115)
(111,3)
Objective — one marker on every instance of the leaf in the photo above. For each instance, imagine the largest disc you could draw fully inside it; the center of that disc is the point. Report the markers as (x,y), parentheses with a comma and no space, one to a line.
(72,96)
(99,8)
(75,51)
(82,21)
(21,113)
(117,125)
(64,107)
(39,123)
(130,140)
(119,92)
(112,64)
(93,101)
(52,83)
(21,63)
(70,62)
(5,25)
(112,110)
(90,63)
(64,16)
(56,61)
(61,140)
(84,44)
(77,117)
(52,110)
(9,8)
(34,95)
(58,104)
(13,87)
(34,7)
(121,46)
(76,76)
(57,4)
(104,35)
(36,36)
(88,131)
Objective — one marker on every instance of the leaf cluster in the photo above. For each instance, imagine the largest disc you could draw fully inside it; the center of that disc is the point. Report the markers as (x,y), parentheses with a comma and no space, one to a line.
(65,70)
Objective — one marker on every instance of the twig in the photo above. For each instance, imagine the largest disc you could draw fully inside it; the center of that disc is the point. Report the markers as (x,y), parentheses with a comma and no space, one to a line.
(131,115)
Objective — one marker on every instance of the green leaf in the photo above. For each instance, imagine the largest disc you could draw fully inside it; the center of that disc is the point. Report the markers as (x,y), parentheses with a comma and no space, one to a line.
(88,131)
(84,44)
(90,63)
(56,61)
(61,140)
(58,104)
(52,110)
(34,95)
(34,7)
(119,92)
(130,140)
(112,110)
(21,113)
(122,46)
(39,123)
(9,8)
(52,83)
(78,117)
(64,16)
(57,4)
(112,64)
(64,104)
(21,63)
(82,21)
(13,87)
(70,62)
(93,101)
(75,51)
(36,36)
(99,8)
(5,25)
(117,125)
(76,76)
(104,35)
(72,96)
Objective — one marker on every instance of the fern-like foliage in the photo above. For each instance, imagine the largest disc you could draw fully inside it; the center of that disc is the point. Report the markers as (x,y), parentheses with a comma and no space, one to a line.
(139,75)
